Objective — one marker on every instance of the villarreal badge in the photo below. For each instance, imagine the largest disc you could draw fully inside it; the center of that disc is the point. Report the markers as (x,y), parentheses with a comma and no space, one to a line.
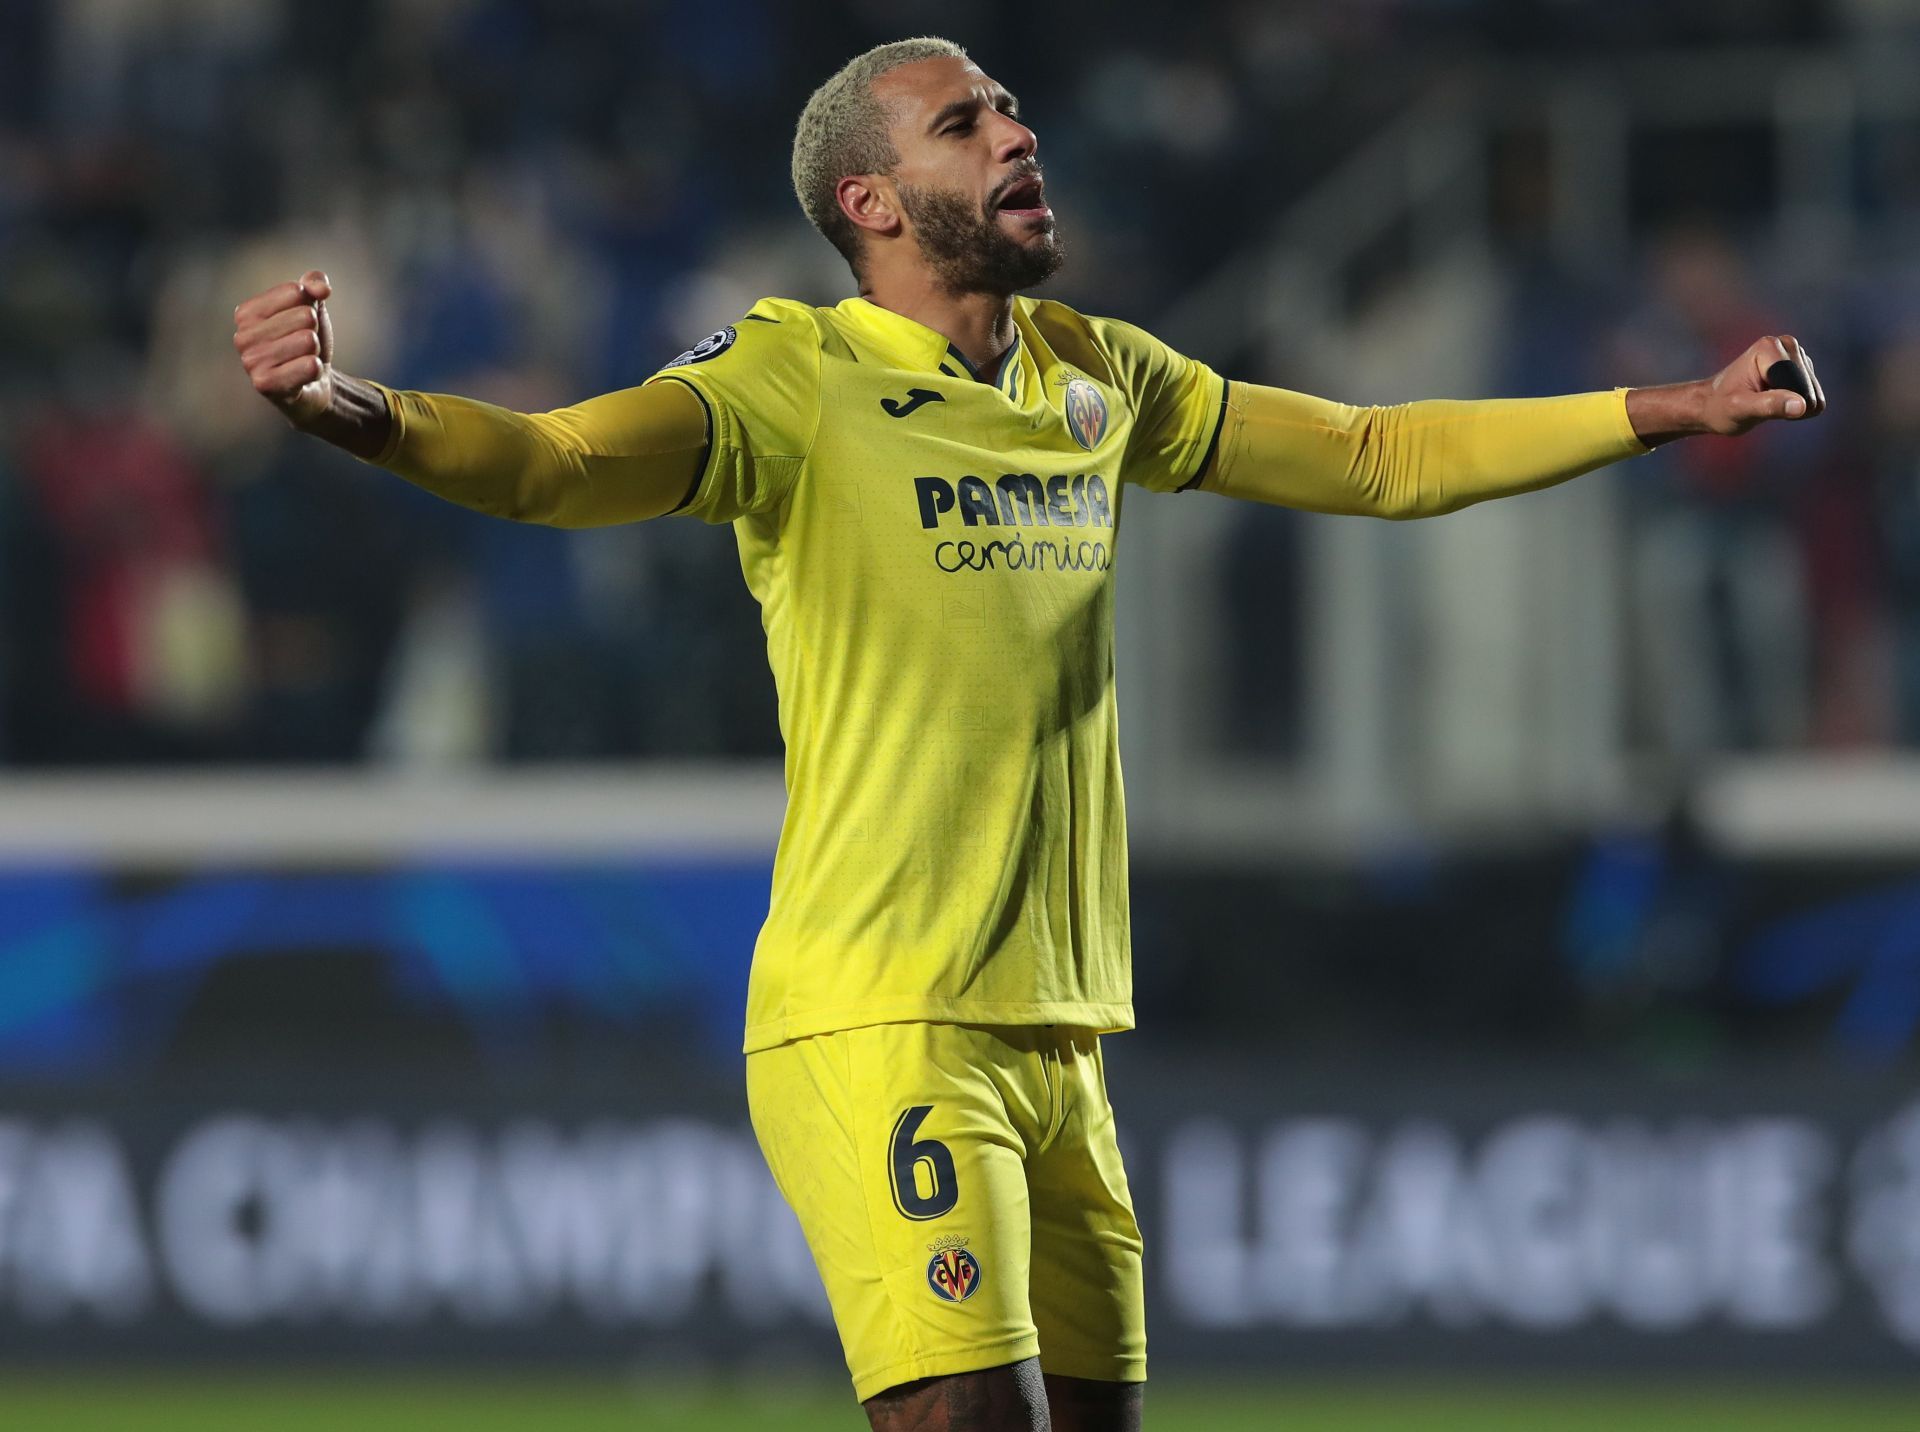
(1086,413)
(954,1273)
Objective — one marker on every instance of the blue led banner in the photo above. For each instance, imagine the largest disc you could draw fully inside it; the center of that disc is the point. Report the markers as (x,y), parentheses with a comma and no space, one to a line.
(104,971)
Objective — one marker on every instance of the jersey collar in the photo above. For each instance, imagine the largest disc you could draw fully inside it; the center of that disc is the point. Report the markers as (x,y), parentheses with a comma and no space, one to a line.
(1007,379)
(919,346)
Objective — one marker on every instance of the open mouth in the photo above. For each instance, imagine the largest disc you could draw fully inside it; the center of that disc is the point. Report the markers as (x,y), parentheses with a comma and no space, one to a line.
(1024,198)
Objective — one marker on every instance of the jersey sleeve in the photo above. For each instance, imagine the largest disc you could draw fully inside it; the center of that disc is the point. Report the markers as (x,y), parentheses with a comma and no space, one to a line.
(1415,459)
(620,457)
(759,380)
(1178,406)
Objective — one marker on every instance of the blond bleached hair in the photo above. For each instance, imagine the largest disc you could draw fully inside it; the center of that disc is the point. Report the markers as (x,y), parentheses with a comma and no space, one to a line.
(843,130)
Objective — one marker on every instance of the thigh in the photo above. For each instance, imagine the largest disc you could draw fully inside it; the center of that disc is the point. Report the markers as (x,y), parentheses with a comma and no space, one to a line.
(1088,1297)
(896,1150)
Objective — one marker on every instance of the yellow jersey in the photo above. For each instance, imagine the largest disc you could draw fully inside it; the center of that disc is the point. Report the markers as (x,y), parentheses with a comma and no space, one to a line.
(934,555)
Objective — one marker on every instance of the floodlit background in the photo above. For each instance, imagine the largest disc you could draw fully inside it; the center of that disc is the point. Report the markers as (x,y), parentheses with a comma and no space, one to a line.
(1527,904)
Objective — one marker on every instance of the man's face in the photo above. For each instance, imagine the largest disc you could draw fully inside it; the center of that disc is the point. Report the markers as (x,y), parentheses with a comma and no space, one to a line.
(969,178)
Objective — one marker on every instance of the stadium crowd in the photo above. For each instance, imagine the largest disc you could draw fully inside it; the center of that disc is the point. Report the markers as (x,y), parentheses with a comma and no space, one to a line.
(530,202)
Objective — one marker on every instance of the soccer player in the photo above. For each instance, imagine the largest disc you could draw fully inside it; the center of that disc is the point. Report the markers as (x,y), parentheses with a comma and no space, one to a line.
(926,483)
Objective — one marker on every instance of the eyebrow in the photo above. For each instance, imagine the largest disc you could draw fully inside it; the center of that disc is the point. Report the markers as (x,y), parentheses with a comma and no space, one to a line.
(955,108)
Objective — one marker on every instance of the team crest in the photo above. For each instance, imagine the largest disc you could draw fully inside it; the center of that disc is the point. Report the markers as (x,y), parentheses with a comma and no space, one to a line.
(712,346)
(1086,413)
(954,1273)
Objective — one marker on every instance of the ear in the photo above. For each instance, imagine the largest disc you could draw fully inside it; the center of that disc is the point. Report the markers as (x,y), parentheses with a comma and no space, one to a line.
(870,203)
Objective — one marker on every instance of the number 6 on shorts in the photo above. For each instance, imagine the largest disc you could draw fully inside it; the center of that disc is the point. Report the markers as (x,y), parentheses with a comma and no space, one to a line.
(904,1158)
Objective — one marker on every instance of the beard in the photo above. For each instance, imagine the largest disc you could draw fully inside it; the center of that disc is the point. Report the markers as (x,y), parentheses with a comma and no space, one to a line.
(968,250)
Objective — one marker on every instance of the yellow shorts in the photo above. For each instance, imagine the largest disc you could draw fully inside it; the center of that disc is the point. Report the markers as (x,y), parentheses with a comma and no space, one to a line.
(961,1190)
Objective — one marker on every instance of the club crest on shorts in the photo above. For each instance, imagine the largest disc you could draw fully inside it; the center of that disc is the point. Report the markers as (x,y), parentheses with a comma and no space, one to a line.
(1086,413)
(954,1273)
(712,346)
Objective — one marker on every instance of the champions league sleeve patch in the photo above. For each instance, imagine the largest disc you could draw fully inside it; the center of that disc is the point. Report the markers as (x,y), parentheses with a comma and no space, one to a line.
(712,346)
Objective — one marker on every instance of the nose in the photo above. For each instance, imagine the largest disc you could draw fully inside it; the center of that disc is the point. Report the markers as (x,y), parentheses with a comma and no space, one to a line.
(1015,141)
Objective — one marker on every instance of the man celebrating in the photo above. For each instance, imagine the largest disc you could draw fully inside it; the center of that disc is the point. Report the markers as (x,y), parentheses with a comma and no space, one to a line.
(926,483)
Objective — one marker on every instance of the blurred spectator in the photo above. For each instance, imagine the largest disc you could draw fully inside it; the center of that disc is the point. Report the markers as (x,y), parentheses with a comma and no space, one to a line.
(1895,418)
(327,566)
(148,624)
(1718,580)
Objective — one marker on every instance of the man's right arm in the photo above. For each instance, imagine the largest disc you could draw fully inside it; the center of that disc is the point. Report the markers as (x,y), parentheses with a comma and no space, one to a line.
(618,458)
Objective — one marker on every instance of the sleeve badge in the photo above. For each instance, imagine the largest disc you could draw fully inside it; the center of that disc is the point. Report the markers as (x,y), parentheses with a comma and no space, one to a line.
(712,346)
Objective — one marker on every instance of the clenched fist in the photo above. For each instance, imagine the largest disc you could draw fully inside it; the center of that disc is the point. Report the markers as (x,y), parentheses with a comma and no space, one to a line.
(1773,379)
(1743,395)
(285,342)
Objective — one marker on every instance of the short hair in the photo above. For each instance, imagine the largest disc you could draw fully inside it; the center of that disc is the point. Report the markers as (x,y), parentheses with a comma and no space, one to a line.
(843,130)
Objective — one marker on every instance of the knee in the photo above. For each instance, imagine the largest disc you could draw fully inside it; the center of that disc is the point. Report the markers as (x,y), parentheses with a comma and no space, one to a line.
(1079,1404)
(996,1399)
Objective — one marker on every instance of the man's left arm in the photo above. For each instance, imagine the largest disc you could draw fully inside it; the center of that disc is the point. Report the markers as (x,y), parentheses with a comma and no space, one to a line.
(1422,459)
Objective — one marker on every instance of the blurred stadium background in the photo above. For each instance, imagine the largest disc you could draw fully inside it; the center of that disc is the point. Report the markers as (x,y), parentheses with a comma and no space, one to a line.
(1527,904)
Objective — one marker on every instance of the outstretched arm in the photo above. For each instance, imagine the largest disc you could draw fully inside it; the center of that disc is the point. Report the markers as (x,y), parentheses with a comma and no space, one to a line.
(618,458)
(1423,459)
